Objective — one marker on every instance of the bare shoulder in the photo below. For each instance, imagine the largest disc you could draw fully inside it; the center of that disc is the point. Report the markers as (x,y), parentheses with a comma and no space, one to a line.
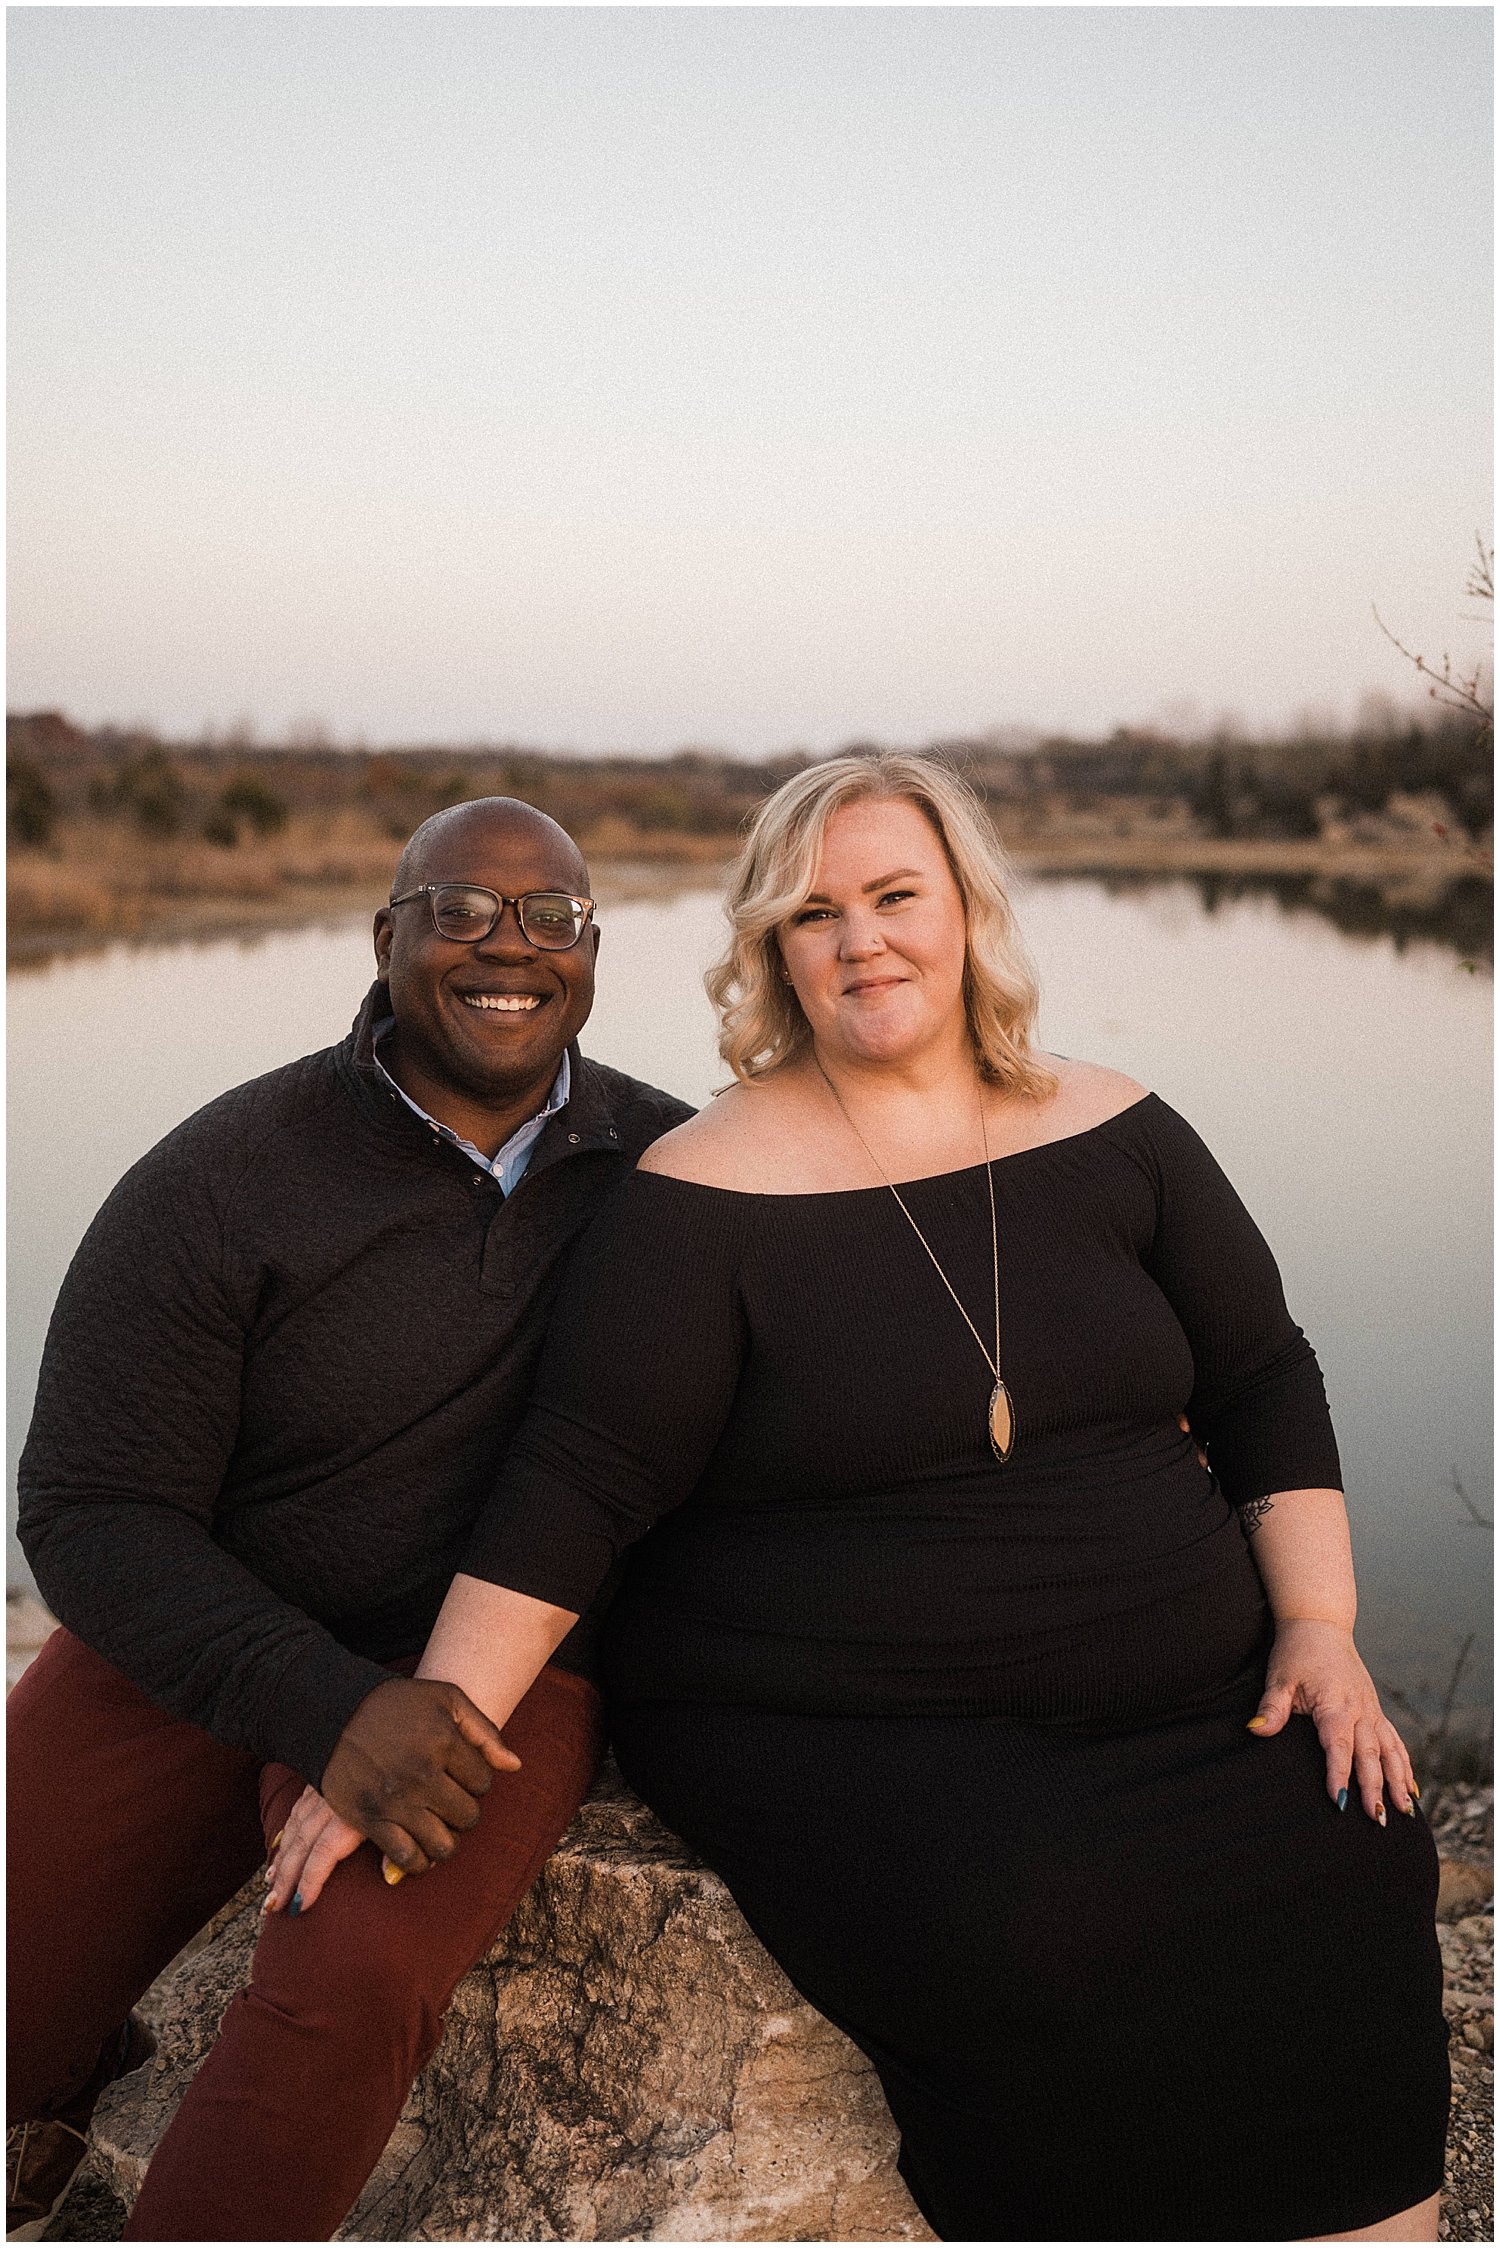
(1088,1094)
(726,1144)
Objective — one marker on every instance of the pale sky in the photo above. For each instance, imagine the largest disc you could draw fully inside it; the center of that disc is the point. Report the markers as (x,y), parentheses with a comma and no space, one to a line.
(634,378)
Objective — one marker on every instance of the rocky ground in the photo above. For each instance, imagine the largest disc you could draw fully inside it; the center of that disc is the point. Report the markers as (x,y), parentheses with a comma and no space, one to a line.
(1463,1823)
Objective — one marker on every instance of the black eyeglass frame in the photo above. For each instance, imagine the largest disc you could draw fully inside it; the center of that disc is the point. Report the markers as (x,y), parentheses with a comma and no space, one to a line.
(429,891)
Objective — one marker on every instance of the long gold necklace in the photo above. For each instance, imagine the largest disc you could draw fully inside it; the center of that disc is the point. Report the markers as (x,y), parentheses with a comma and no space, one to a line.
(1002,1413)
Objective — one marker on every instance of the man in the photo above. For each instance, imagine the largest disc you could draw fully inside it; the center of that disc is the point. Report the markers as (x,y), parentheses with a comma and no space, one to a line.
(281,1372)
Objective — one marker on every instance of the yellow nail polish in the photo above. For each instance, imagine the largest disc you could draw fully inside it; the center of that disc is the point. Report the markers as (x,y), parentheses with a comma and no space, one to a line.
(1255,1724)
(277,1840)
(393,1873)
(1416,1791)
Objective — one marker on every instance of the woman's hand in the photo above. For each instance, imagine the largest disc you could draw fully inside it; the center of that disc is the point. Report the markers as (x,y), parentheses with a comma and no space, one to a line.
(1315,1668)
(1187,1429)
(307,1849)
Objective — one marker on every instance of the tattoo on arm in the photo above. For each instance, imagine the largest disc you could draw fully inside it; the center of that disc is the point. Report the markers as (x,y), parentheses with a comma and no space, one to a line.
(1252,1514)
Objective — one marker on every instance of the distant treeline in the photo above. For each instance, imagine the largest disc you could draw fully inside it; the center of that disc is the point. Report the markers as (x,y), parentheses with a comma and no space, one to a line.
(56,772)
(228,793)
(1239,788)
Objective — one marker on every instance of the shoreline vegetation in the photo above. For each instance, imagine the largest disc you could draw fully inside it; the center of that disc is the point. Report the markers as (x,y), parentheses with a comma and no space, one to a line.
(113,833)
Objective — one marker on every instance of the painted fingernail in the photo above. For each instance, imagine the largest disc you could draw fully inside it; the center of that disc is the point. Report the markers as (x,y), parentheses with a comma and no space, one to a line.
(1380,1814)
(1416,1791)
(277,1840)
(269,1876)
(295,1906)
(1343,1799)
(1409,1808)
(1255,1725)
(393,1873)
(269,1905)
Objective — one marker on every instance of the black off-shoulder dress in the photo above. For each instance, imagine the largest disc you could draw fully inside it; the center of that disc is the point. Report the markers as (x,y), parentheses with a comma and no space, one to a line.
(967,1740)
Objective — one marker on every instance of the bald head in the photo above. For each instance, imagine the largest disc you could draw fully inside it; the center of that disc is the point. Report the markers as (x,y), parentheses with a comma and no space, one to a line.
(488,823)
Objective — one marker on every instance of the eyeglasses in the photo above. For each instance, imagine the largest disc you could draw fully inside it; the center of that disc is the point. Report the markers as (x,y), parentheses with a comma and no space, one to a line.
(464,913)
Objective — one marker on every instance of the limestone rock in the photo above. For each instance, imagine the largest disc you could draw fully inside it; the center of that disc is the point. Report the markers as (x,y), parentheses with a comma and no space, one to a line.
(627,2064)
(1463,1885)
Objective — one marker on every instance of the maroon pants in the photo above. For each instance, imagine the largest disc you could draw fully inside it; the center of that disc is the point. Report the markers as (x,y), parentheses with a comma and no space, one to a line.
(128,1831)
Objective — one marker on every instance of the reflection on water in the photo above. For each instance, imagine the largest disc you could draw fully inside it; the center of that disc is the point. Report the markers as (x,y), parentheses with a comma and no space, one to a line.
(1343,1082)
(1433,906)
(1458,913)
(1430,902)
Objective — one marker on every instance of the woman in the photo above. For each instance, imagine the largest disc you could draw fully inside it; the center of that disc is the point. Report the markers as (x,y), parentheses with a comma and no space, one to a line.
(1023,1740)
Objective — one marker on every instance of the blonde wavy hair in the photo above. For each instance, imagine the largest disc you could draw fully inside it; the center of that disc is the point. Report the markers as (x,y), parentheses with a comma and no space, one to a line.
(761,1023)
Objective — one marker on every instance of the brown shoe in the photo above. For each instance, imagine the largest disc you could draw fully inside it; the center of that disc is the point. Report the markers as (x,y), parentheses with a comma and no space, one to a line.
(41,2162)
(43,2157)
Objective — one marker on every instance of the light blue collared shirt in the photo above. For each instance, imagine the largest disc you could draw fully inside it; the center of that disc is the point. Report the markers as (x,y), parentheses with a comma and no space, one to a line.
(508,1168)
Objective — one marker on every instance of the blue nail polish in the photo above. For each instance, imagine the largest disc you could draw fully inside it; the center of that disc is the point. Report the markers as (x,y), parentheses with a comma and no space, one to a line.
(295,1906)
(1343,1806)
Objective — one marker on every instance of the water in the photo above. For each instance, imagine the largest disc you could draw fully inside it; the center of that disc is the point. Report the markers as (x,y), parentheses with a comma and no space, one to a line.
(1344,1084)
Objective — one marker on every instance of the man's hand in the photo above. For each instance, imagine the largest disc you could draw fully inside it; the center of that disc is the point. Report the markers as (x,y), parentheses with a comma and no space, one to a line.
(410,1767)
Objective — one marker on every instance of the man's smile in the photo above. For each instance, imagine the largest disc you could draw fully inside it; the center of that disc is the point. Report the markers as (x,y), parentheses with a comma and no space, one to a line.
(504,1002)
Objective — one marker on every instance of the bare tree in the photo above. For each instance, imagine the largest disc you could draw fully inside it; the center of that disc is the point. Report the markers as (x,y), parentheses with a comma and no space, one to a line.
(1448,686)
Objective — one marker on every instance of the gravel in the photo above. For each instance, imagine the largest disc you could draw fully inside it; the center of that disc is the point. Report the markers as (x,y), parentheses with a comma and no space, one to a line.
(1463,1822)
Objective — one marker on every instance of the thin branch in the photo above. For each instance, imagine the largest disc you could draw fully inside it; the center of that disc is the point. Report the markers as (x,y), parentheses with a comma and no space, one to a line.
(1394,1695)
(1480,585)
(1480,1521)
(1454,693)
(1451,1697)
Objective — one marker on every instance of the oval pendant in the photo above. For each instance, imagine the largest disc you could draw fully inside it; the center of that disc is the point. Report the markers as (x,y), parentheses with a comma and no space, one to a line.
(1002,1422)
